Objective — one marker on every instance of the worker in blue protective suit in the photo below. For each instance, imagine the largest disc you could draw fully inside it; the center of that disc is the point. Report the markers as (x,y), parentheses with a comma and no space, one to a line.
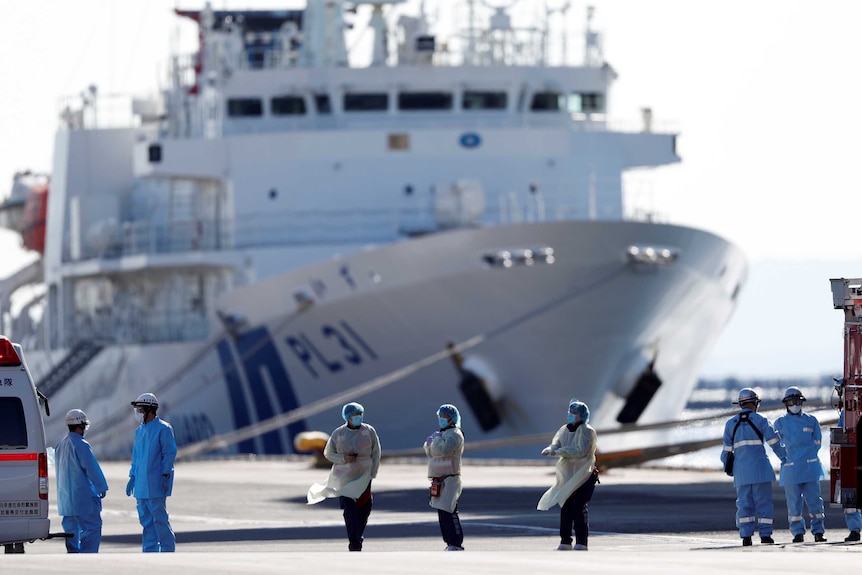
(151,476)
(81,486)
(801,474)
(745,435)
(444,448)
(852,516)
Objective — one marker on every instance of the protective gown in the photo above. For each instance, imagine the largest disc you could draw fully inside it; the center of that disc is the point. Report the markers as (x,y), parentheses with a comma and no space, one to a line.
(153,457)
(444,460)
(577,458)
(79,482)
(348,479)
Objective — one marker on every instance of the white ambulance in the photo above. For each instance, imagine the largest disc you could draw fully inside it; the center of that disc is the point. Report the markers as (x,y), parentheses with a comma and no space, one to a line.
(23,454)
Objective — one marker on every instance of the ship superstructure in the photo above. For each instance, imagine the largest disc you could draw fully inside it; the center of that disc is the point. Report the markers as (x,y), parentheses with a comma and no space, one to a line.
(280,224)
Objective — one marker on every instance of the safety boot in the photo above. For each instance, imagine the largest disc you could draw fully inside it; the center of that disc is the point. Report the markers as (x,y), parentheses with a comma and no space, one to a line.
(746,541)
(799,538)
(767,540)
(819,538)
(854,536)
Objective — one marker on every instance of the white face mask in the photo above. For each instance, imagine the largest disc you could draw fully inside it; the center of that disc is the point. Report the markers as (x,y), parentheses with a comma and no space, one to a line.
(794,409)
(139,416)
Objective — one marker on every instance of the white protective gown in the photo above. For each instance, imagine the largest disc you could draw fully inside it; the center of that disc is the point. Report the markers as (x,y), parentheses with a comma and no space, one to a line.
(444,460)
(577,453)
(348,479)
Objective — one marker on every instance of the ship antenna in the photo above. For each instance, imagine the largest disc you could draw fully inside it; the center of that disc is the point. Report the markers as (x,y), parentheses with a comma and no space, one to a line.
(378,26)
(471,31)
(592,39)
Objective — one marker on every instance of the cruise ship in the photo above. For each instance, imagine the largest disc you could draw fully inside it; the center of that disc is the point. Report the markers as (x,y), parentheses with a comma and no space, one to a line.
(290,225)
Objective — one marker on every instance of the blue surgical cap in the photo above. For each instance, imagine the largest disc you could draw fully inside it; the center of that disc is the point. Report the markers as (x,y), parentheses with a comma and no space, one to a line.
(350,409)
(452,412)
(581,409)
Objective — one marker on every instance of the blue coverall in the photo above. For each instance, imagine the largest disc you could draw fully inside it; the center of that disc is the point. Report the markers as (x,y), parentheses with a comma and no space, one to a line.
(153,471)
(752,472)
(80,488)
(801,474)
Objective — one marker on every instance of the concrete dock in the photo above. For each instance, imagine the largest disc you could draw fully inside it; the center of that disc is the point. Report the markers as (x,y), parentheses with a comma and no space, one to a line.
(250,516)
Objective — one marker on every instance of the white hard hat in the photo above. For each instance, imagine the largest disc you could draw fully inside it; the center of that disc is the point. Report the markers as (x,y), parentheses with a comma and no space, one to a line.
(747,395)
(146,400)
(76,417)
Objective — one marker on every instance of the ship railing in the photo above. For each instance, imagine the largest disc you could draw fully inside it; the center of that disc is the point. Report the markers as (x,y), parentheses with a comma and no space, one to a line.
(303,227)
(90,110)
(522,47)
(146,326)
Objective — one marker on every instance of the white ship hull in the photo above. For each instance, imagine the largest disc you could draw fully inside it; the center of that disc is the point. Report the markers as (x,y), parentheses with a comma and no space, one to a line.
(584,325)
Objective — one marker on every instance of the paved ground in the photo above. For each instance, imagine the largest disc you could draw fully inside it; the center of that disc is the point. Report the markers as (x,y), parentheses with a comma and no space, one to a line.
(251,517)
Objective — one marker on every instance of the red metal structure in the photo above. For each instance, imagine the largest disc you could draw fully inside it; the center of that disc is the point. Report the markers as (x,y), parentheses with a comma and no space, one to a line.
(845,473)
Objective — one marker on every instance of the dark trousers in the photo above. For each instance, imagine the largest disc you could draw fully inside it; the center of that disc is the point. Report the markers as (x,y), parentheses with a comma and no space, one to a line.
(450,527)
(356,512)
(575,512)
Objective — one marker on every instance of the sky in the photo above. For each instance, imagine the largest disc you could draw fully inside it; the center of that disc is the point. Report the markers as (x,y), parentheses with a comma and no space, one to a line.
(764,93)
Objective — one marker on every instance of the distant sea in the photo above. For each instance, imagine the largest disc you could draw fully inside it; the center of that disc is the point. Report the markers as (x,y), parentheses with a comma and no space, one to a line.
(712,397)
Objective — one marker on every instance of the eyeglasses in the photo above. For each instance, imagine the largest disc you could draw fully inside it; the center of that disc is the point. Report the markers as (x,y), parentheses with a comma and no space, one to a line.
(793,401)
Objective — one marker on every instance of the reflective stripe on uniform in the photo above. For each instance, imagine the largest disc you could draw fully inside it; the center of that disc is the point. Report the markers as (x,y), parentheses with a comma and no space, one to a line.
(746,442)
(745,520)
(771,441)
(765,520)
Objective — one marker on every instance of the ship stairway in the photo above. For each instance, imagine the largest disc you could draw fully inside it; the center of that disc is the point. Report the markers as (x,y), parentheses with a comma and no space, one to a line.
(73,362)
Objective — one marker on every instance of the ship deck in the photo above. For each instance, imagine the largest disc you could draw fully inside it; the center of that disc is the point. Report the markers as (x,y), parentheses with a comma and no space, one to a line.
(235,516)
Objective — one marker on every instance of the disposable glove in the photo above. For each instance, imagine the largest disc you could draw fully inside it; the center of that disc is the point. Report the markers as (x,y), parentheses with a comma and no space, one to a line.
(430,438)
(130,487)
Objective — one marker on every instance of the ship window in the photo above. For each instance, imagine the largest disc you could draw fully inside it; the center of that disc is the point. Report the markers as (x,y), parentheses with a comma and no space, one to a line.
(288,106)
(425,101)
(321,102)
(547,102)
(244,107)
(367,102)
(484,100)
(588,102)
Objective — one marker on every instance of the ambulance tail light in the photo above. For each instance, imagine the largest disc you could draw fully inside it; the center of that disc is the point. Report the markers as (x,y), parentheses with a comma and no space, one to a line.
(8,355)
(43,476)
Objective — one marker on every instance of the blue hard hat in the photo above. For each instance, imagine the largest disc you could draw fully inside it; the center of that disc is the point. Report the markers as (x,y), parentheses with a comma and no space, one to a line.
(581,409)
(350,409)
(452,412)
